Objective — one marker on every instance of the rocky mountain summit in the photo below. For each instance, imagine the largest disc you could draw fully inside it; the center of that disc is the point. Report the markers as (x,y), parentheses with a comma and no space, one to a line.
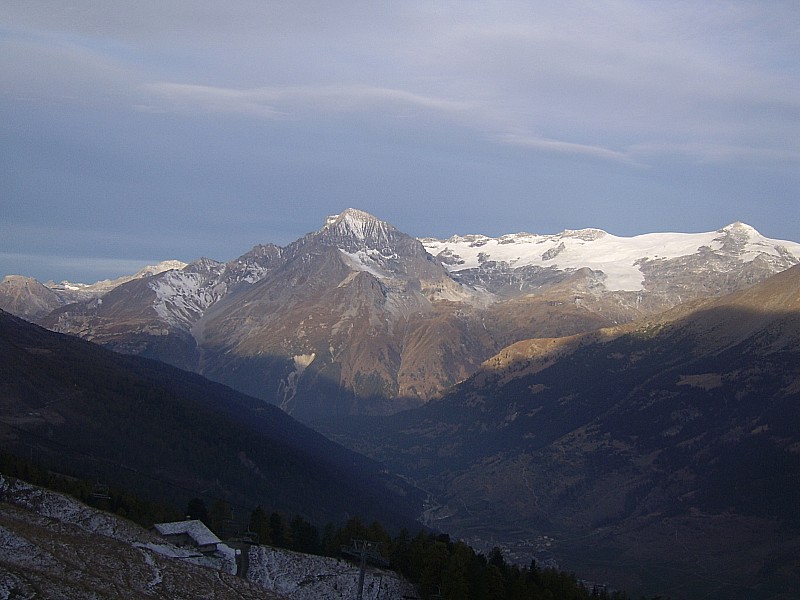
(359,317)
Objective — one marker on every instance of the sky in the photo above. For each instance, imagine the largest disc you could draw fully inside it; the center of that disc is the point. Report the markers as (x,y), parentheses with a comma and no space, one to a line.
(134,132)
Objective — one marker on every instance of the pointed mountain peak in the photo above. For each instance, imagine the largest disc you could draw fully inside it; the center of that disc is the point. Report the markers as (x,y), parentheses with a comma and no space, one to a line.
(353,214)
(739,238)
(360,226)
(164,265)
(353,217)
(740,228)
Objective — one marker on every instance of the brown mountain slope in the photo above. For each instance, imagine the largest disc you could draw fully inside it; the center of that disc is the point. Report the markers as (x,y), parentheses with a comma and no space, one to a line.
(26,297)
(350,325)
(662,456)
(125,320)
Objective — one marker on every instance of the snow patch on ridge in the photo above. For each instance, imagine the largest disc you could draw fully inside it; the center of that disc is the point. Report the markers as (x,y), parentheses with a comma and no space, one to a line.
(108,284)
(617,257)
(289,387)
(365,260)
(182,297)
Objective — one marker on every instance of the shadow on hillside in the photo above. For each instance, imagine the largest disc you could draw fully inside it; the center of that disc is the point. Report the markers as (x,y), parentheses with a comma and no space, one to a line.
(170,435)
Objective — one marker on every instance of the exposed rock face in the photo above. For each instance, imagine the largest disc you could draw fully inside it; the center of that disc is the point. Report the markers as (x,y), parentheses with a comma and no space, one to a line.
(351,295)
(27,298)
(56,547)
(393,321)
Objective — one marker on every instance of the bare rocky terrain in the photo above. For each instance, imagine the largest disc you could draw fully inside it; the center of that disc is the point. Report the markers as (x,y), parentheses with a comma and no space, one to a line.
(52,546)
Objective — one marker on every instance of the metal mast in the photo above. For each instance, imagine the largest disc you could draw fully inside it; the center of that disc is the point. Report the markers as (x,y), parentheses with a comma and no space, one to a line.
(365,551)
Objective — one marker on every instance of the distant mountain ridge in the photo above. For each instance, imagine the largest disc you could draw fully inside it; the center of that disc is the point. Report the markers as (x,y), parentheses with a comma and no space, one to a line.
(359,317)
(635,421)
(624,264)
(28,298)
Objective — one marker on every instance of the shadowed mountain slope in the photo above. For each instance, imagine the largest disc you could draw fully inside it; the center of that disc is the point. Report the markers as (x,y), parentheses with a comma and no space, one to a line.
(170,435)
(662,455)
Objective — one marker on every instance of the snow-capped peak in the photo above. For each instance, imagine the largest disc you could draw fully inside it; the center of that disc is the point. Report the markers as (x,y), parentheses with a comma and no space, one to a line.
(738,226)
(358,225)
(353,214)
(164,265)
(619,258)
(101,287)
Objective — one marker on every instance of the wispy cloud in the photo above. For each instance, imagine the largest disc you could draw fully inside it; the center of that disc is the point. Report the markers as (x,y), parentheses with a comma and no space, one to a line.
(181,97)
(562,147)
(285,101)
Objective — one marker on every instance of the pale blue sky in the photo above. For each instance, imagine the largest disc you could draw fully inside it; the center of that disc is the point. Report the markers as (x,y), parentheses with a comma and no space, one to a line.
(133,132)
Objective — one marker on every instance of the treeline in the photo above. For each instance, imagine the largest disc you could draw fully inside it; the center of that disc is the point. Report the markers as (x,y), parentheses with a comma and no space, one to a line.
(451,570)
(122,503)
(439,567)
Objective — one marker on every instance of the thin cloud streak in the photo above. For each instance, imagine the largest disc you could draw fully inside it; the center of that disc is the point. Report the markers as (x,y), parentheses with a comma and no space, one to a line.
(265,101)
(561,147)
(285,102)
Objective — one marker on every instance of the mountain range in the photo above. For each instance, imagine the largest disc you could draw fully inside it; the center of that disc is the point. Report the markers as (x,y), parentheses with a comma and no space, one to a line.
(360,318)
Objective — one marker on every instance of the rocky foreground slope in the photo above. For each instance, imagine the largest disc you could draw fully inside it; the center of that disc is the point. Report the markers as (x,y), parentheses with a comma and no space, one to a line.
(52,546)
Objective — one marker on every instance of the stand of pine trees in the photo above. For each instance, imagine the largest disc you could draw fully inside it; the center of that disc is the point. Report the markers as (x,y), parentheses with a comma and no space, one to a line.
(439,567)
